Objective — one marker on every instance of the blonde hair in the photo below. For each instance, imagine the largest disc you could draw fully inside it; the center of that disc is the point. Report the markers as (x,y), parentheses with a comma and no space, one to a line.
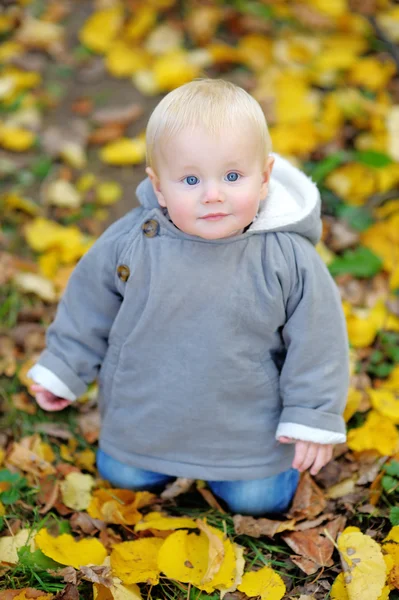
(209,103)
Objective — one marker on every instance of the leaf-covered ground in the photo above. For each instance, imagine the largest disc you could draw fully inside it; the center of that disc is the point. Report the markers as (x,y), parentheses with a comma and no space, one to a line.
(78,80)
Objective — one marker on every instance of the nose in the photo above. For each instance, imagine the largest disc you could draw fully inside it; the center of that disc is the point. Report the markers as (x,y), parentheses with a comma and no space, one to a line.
(213,193)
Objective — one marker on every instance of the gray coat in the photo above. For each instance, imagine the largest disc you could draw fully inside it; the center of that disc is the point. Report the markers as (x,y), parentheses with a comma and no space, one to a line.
(206,350)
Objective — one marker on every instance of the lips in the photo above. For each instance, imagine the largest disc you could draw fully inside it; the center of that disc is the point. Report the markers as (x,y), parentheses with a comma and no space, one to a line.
(214,216)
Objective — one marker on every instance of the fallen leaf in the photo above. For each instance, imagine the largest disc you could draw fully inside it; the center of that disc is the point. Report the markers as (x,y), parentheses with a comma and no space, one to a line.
(377,433)
(159,521)
(29,462)
(137,561)
(179,486)
(9,545)
(363,565)
(258,527)
(118,506)
(309,500)
(76,490)
(314,545)
(67,551)
(265,583)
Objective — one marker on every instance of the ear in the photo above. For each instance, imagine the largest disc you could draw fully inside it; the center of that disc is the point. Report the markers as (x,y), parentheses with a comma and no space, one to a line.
(266,174)
(156,186)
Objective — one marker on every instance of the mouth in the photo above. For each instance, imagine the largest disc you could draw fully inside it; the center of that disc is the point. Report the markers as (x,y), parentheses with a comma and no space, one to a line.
(214,216)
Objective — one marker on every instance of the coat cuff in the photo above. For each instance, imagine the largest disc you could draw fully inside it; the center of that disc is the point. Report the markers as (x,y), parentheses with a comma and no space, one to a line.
(313,418)
(309,434)
(63,373)
(51,382)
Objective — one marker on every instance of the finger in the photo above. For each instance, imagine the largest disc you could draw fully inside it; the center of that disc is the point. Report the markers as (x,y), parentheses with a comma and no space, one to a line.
(286,440)
(326,456)
(301,449)
(320,460)
(310,456)
(35,387)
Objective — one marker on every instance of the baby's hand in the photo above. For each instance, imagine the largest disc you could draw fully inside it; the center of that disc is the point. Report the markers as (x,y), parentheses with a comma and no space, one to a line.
(308,454)
(47,400)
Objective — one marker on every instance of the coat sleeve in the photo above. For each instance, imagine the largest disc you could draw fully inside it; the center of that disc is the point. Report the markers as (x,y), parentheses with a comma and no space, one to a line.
(77,340)
(314,378)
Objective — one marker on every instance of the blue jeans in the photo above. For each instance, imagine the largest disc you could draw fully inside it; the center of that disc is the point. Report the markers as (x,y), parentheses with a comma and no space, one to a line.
(253,497)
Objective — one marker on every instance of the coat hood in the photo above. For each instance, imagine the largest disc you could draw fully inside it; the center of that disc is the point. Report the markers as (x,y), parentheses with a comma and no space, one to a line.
(292,203)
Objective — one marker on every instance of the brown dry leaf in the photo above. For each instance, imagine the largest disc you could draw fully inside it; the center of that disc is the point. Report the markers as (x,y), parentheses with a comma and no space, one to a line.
(106,133)
(29,462)
(70,592)
(117,115)
(258,527)
(49,492)
(82,522)
(101,575)
(309,500)
(313,544)
(23,402)
(89,425)
(26,593)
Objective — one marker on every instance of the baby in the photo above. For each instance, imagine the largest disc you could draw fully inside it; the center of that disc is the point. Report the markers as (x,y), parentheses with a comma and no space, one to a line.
(214,327)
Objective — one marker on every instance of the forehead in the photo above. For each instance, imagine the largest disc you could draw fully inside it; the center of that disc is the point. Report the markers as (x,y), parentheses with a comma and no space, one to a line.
(230,145)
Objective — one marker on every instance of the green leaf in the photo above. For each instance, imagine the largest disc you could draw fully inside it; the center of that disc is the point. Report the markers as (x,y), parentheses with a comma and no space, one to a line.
(10,496)
(256,9)
(42,167)
(328,164)
(389,483)
(376,356)
(372,158)
(13,478)
(358,217)
(381,371)
(361,262)
(394,515)
(392,468)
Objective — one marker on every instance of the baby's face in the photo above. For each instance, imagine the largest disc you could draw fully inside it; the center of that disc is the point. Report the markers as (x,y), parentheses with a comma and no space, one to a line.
(211,185)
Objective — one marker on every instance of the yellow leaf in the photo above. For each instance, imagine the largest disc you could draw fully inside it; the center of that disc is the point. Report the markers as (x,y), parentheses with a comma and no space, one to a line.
(371,73)
(393,535)
(30,462)
(117,591)
(386,403)
(239,570)
(26,594)
(9,546)
(352,403)
(16,139)
(361,329)
(16,202)
(76,490)
(353,182)
(118,506)
(108,193)
(174,69)
(49,263)
(255,51)
(9,50)
(137,561)
(184,557)
(363,564)
(221,571)
(377,433)
(392,382)
(100,30)
(297,138)
(338,588)
(124,151)
(140,23)
(265,583)
(2,509)
(123,60)
(86,460)
(67,551)
(155,520)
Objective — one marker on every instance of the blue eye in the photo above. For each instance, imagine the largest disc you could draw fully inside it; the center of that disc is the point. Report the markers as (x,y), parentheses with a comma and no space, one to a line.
(233,176)
(191,180)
